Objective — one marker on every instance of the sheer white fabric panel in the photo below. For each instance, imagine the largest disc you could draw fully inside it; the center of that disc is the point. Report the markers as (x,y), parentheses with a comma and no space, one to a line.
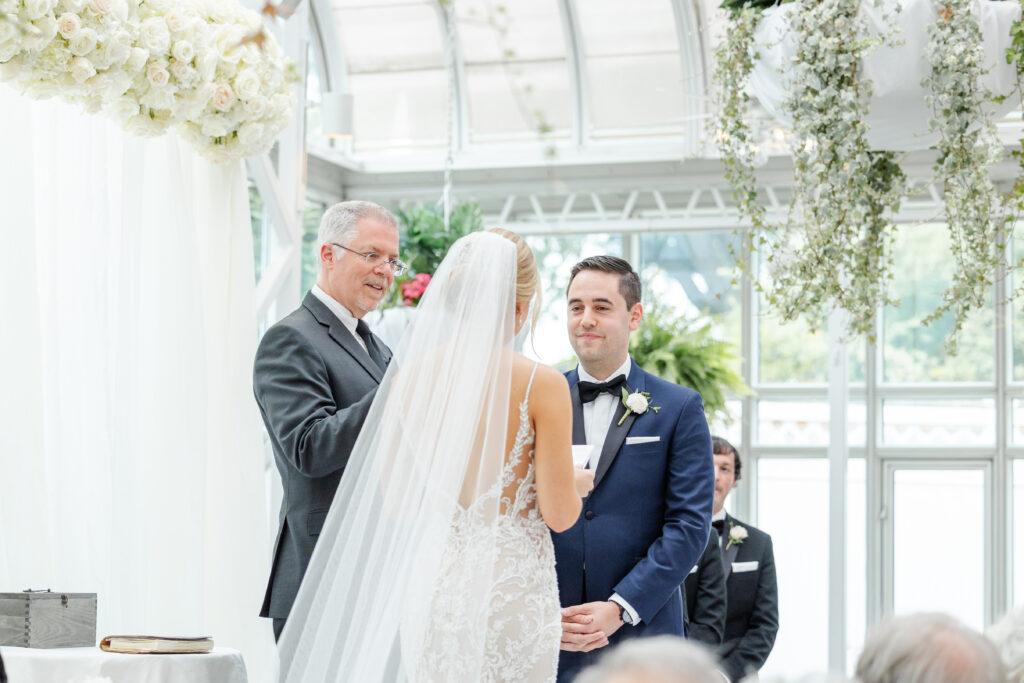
(129,449)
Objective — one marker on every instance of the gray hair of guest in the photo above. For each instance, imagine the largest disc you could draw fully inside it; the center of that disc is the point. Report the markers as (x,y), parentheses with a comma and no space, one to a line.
(927,648)
(339,223)
(659,659)
(1007,635)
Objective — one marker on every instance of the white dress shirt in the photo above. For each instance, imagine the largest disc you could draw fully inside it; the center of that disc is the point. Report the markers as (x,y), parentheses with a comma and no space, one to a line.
(597,420)
(598,414)
(340,312)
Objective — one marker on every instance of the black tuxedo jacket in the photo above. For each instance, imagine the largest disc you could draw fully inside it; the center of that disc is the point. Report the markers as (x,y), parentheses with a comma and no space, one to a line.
(752,614)
(314,384)
(704,596)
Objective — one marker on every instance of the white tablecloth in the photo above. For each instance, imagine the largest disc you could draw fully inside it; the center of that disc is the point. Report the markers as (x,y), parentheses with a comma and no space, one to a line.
(78,664)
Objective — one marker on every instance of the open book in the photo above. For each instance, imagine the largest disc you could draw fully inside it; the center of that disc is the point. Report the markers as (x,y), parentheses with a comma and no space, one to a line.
(156,644)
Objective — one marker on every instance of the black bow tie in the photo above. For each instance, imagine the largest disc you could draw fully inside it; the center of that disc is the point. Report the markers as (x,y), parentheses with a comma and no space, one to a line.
(718,524)
(591,390)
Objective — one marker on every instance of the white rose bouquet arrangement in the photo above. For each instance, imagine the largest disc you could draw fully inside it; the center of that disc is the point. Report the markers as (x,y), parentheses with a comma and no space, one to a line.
(152,65)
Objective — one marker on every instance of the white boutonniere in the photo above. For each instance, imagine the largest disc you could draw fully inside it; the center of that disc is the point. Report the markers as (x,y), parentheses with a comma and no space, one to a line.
(638,402)
(737,534)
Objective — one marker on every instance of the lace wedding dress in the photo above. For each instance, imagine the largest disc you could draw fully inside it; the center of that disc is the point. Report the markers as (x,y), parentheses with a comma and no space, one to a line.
(522,608)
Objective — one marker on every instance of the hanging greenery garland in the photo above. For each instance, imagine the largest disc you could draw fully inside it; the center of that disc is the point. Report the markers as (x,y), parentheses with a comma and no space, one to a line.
(834,249)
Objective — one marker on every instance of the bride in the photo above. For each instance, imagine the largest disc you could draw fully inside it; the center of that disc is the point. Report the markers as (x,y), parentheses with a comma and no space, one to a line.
(435,562)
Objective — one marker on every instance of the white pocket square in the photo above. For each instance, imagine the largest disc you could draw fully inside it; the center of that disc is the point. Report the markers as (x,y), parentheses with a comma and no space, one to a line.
(630,440)
(738,567)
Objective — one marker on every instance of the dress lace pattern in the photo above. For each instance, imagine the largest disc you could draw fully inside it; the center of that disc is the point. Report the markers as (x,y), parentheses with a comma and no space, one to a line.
(520,618)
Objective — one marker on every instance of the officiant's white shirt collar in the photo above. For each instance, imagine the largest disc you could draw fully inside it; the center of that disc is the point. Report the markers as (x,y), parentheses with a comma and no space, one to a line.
(340,312)
(623,370)
(720,515)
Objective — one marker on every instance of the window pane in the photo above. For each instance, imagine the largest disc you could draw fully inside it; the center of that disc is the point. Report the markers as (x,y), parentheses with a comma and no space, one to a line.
(1017,435)
(1018,531)
(555,257)
(731,431)
(806,423)
(1018,311)
(792,506)
(310,227)
(913,352)
(931,507)
(938,423)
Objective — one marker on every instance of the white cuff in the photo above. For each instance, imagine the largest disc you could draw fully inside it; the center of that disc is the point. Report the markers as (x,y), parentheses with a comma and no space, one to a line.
(616,598)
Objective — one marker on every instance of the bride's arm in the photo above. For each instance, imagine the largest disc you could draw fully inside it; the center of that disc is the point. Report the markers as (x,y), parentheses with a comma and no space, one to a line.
(551,410)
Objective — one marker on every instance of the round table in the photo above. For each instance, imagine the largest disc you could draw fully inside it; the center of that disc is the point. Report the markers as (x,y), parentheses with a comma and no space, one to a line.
(78,664)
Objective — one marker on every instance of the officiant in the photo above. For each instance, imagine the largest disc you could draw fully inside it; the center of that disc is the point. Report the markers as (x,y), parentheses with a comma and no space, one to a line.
(316,374)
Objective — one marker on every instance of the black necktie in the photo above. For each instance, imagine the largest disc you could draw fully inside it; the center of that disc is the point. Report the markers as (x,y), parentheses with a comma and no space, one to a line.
(371,344)
(591,390)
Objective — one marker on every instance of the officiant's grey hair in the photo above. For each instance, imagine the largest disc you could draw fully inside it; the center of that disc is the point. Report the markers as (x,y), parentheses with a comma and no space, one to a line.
(340,221)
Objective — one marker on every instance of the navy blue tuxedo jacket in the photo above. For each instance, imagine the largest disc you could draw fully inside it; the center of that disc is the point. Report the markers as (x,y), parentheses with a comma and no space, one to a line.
(646,522)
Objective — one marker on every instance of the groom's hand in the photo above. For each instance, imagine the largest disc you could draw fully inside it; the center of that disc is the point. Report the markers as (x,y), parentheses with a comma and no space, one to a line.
(587,627)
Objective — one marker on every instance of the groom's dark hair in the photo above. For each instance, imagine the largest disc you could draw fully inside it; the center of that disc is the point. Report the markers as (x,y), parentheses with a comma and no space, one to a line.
(629,281)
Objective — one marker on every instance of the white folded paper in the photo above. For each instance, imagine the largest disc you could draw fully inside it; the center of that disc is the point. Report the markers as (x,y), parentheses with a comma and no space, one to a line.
(581,454)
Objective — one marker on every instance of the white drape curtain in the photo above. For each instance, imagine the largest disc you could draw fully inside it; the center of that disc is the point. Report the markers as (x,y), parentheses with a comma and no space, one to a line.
(130,462)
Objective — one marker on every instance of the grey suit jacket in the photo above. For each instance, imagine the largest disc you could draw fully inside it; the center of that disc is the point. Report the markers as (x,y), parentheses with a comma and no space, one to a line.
(314,384)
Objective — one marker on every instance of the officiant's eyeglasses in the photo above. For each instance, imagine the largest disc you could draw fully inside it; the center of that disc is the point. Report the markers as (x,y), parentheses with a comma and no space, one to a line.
(374,260)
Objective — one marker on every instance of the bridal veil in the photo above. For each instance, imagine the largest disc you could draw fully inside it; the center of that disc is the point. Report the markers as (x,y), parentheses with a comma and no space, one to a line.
(433,446)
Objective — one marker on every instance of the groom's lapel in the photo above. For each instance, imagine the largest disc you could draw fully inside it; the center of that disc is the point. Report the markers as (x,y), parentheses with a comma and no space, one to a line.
(617,432)
(579,434)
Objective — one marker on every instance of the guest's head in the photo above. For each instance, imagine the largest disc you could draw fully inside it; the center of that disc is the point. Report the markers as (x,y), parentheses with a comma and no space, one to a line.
(660,659)
(927,648)
(604,307)
(1008,637)
(357,248)
(727,469)
(527,279)
(3,674)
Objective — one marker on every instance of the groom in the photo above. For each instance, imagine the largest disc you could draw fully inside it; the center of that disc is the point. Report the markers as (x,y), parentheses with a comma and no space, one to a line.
(646,522)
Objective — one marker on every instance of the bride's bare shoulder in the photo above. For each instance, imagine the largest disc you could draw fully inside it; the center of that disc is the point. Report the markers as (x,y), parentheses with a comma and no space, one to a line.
(547,377)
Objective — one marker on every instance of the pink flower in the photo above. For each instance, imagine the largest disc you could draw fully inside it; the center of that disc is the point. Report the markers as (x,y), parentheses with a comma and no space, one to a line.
(423,278)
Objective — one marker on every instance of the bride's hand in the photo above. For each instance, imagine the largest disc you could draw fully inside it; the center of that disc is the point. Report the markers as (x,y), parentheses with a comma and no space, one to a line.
(584,481)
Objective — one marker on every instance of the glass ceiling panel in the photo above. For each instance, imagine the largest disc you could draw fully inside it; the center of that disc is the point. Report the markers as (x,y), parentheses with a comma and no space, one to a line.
(516,73)
(396,65)
(633,68)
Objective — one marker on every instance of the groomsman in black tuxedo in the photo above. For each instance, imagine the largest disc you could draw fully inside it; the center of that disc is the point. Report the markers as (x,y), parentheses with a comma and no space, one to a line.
(704,596)
(752,613)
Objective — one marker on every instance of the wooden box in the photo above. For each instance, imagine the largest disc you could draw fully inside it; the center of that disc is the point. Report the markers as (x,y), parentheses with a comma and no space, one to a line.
(45,620)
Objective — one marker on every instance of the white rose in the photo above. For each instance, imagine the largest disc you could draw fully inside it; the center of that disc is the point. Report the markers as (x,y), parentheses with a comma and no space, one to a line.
(47,27)
(99,6)
(247,85)
(637,402)
(82,69)
(160,6)
(137,59)
(99,84)
(142,125)
(154,35)
(157,74)
(183,72)
(9,69)
(218,155)
(226,42)
(42,90)
(7,31)
(68,25)
(182,51)
(215,126)
(118,48)
(175,21)
(206,64)
(73,6)
(257,107)
(223,98)
(36,9)
(250,133)
(122,108)
(737,532)
(280,104)
(190,133)
(159,98)
(83,42)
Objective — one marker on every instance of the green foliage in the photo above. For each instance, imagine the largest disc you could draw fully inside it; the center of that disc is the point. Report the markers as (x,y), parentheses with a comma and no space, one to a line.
(688,355)
(423,240)
(734,7)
